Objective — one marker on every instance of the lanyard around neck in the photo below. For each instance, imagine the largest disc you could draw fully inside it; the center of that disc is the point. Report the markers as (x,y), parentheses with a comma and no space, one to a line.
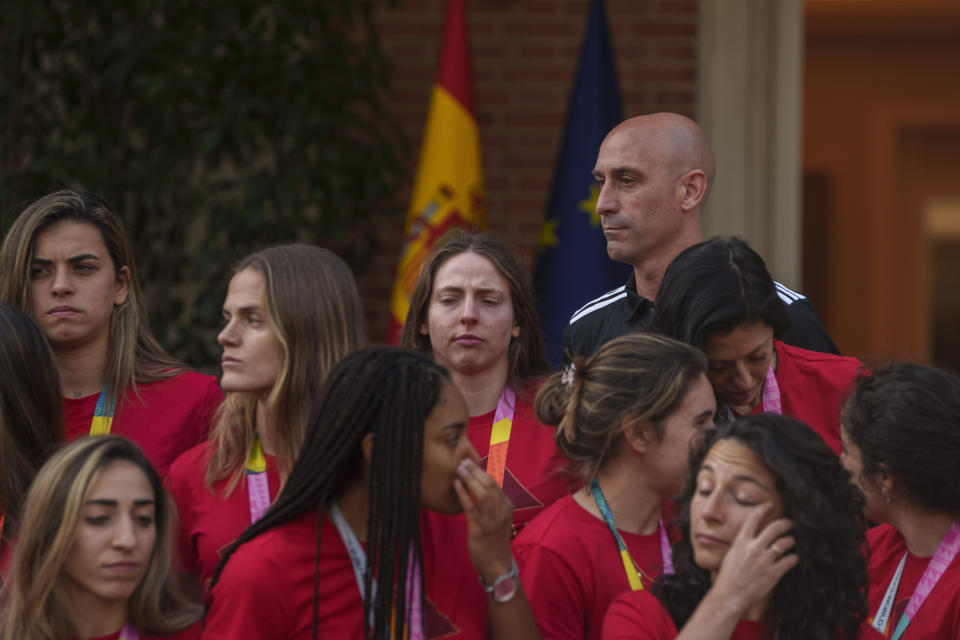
(358,559)
(629,567)
(258,486)
(129,632)
(946,551)
(102,415)
(500,434)
(770,396)
(771,393)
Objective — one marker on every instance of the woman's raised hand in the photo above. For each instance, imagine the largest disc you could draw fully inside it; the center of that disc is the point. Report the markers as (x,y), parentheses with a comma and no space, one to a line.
(489,515)
(756,560)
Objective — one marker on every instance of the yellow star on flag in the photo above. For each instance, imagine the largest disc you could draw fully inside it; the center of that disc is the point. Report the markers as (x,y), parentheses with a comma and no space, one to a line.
(589,205)
(548,234)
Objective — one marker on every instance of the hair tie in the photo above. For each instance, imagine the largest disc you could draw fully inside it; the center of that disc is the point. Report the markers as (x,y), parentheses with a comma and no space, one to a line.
(569,375)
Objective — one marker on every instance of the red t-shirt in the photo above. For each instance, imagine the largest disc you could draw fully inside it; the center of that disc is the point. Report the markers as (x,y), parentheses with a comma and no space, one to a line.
(571,569)
(533,478)
(6,558)
(813,387)
(170,416)
(209,521)
(266,589)
(190,633)
(638,615)
(938,617)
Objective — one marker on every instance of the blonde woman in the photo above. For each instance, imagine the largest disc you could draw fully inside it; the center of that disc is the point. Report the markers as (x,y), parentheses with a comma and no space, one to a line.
(93,557)
(291,313)
(67,262)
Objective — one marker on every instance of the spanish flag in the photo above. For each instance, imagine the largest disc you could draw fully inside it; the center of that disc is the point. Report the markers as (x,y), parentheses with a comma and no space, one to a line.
(448,190)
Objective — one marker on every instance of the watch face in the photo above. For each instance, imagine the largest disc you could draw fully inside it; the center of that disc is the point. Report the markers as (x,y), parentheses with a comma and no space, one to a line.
(504,590)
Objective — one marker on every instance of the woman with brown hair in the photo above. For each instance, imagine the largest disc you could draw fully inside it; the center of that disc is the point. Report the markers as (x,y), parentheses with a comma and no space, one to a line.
(473,312)
(31,423)
(93,557)
(291,313)
(67,262)
(625,419)
(901,445)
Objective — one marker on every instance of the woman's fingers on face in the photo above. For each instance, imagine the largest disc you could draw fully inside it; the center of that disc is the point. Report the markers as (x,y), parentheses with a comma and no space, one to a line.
(466,501)
(477,481)
(774,530)
(782,545)
(751,524)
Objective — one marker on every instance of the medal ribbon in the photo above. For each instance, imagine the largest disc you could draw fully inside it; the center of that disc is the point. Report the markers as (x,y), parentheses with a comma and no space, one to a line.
(102,415)
(500,435)
(631,569)
(129,632)
(258,487)
(946,551)
(358,558)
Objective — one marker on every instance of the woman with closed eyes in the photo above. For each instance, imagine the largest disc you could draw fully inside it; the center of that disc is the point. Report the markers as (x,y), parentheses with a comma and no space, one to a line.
(719,297)
(770,547)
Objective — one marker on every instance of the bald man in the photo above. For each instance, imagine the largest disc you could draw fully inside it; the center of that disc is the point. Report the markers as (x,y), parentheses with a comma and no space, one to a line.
(655,172)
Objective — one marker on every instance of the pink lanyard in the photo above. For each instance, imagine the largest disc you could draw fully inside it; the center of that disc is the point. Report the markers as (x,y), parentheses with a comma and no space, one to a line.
(771,393)
(946,551)
(358,558)
(258,487)
(129,632)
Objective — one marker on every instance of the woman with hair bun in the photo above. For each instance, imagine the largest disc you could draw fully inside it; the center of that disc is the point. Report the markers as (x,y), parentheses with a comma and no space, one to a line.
(719,297)
(291,313)
(67,262)
(31,422)
(625,420)
(901,438)
(93,559)
(473,312)
(770,548)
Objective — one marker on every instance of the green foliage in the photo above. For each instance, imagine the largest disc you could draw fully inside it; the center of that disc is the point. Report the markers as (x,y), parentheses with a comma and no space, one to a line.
(213,127)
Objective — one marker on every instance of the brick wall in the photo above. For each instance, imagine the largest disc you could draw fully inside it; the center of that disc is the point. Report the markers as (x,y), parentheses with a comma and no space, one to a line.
(523,54)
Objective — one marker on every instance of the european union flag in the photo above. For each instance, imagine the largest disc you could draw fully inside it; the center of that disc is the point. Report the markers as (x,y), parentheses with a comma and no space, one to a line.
(573,266)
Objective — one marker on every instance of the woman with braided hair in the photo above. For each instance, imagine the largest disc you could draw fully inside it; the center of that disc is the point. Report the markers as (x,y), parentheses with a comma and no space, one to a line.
(363,540)
(626,416)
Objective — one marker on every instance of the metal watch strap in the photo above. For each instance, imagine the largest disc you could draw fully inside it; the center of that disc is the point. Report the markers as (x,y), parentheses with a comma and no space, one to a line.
(512,574)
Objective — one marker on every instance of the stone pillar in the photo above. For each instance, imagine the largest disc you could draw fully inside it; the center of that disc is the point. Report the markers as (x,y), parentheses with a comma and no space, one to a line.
(749,102)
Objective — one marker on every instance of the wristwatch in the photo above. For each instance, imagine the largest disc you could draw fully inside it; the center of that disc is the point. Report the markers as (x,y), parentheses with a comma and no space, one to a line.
(505,586)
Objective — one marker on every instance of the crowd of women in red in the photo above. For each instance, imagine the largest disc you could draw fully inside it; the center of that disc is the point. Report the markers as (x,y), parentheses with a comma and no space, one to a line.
(702,480)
